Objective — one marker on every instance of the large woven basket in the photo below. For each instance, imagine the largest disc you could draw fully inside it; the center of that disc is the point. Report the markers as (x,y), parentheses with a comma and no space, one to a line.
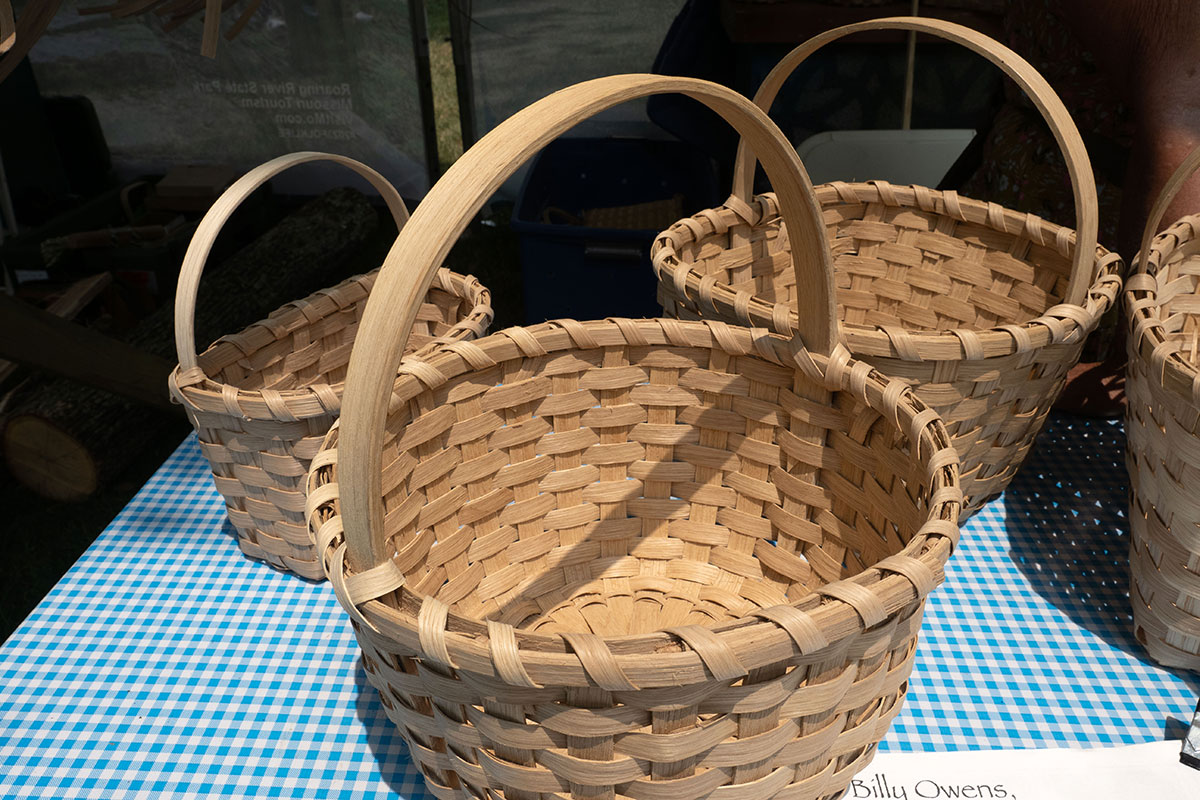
(982,310)
(629,558)
(1162,421)
(261,400)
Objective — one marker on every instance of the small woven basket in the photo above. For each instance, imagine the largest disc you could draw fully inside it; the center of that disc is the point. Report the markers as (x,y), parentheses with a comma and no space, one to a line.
(982,310)
(261,400)
(1162,421)
(629,558)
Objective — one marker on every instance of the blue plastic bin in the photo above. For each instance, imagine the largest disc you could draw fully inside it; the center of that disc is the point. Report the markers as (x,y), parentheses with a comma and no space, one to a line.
(570,270)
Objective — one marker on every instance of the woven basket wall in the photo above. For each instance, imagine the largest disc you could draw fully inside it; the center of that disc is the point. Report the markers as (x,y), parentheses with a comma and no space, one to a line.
(629,558)
(1163,455)
(982,310)
(645,559)
(261,401)
(960,299)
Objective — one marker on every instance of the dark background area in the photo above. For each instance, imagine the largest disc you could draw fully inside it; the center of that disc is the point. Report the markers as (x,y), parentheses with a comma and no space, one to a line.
(527,239)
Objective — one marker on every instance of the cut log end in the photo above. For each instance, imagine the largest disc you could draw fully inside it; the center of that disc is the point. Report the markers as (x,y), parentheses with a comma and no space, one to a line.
(65,438)
(48,459)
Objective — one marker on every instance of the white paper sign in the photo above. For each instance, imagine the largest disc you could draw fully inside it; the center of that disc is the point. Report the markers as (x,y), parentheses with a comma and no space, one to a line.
(1120,773)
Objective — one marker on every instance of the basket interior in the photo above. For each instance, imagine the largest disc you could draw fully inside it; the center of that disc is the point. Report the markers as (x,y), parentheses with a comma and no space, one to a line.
(1179,309)
(901,266)
(292,349)
(626,489)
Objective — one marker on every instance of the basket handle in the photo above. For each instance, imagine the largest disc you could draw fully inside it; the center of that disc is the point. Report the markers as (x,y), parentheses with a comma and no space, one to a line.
(8,27)
(1083,182)
(1178,178)
(445,212)
(210,227)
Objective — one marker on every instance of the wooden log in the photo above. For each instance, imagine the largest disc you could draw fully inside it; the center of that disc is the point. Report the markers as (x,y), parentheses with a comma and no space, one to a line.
(65,439)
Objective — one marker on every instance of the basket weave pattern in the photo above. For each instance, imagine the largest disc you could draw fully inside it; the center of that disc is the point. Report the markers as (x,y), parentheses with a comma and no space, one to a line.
(982,310)
(645,559)
(1163,456)
(958,298)
(262,400)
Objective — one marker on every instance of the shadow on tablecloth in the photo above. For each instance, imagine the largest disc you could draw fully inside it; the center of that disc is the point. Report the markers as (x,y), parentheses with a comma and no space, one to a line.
(387,746)
(1067,520)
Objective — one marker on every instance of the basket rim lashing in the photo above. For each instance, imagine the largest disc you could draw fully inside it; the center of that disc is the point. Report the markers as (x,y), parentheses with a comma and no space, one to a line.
(1176,373)
(1094,281)
(315,400)
(1163,384)
(191,384)
(347,515)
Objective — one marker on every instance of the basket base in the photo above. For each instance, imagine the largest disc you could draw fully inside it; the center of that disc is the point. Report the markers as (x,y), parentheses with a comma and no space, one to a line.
(807,727)
(1163,590)
(1155,636)
(1163,654)
(311,570)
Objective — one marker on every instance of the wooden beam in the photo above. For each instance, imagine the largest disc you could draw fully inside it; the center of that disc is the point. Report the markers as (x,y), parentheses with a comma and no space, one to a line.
(67,305)
(40,339)
(78,295)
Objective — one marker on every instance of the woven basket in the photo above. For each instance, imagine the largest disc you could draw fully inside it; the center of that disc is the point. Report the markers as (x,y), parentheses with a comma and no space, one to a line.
(1162,421)
(261,400)
(629,558)
(982,310)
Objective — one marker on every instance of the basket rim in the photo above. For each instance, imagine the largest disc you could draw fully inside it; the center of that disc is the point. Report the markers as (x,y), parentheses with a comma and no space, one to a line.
(1174,372)
(200,392)
(465,642)
(1061,324)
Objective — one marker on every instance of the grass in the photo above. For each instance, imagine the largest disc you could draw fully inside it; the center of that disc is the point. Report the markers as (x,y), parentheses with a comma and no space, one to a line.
(445,88)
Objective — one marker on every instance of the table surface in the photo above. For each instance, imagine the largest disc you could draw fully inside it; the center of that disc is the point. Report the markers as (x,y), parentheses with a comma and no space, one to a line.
(165,664)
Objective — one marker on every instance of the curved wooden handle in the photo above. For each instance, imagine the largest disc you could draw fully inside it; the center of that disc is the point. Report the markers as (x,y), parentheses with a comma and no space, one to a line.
(227,203)
(8,27)
(1178,178)
(452,203)
(35,18)
(1083,182)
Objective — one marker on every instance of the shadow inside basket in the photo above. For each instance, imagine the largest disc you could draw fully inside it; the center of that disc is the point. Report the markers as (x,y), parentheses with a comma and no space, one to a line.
(619,491)
(701,539)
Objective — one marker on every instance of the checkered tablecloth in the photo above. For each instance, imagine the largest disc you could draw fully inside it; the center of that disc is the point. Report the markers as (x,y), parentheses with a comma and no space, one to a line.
(165,664)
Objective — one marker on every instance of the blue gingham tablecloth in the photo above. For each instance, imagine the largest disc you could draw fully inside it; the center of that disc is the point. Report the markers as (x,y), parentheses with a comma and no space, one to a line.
(165,664)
